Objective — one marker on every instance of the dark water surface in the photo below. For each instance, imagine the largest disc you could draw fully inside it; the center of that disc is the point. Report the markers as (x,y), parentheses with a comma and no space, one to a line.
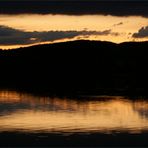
(51,118)
(104,114)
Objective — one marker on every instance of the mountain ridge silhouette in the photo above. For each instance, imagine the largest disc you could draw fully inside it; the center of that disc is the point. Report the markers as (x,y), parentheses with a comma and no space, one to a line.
(77,67)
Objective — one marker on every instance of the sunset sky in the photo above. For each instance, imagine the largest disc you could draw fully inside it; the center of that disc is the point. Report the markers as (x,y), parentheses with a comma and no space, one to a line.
(49,22)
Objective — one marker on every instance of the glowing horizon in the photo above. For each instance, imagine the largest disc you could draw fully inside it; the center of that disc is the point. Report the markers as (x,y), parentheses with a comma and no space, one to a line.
(40,29)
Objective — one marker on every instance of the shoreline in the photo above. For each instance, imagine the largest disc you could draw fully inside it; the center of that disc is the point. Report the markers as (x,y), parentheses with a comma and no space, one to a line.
(18,139)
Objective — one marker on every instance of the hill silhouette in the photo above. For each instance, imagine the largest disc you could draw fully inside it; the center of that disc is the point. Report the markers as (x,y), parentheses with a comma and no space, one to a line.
(77,67)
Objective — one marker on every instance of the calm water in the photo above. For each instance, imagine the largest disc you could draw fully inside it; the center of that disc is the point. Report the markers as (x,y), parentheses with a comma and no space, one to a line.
(104,114)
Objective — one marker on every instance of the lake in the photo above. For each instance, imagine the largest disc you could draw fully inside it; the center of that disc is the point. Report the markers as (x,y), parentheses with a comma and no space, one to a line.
(114,36)
(26,115)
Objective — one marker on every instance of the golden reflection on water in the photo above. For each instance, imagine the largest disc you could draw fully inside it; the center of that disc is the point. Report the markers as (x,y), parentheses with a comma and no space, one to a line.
(20,111)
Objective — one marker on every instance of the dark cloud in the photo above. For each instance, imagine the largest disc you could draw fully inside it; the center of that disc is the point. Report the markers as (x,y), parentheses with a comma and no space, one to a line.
(118,24)
(105,32)
(11,36)
(142,33)
(117,8)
